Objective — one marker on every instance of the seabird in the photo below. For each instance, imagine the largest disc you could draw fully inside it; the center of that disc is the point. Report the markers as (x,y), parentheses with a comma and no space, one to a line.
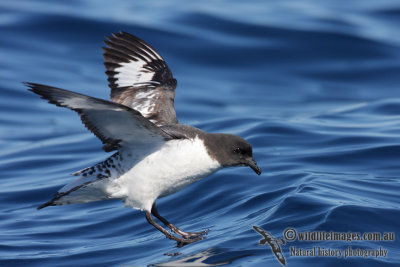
(155,155)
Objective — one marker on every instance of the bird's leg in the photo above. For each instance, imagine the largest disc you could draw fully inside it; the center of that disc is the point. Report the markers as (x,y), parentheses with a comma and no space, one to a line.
(168,234)
(173,228)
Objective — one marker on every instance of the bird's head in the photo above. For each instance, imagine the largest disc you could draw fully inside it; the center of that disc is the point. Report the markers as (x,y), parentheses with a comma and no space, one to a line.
(231,150)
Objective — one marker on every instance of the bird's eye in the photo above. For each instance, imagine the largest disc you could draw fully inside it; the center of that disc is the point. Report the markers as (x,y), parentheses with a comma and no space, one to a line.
(237,150)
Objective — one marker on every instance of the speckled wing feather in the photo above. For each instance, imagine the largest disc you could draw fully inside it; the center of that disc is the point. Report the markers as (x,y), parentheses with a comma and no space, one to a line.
(139,78)
(114,124)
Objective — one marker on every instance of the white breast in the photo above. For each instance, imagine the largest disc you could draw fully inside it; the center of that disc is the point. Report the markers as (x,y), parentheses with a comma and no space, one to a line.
(177,164)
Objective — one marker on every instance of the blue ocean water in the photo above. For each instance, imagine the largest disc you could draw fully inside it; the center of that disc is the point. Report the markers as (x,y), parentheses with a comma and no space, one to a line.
(313,85)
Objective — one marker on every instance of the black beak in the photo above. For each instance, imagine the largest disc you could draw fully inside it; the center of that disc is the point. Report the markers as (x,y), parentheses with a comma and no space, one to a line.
(253,164)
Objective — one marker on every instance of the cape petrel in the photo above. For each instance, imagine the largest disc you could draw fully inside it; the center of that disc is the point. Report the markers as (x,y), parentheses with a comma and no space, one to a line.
(155,155)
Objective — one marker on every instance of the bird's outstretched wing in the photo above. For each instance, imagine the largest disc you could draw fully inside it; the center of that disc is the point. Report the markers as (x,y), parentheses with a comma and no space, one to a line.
(114,124)
(139,78)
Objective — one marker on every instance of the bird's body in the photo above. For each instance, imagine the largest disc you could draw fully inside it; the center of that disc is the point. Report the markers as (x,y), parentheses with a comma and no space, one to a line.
(139,176)
(156,156)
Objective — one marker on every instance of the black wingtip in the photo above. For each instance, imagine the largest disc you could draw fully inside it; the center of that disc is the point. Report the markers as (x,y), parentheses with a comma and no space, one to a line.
(47,92)
(121,33)
(33,87)
(30,85)
(39,89)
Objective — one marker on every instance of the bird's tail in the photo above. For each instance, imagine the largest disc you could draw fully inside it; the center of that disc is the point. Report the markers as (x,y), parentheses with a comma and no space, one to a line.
(48,203)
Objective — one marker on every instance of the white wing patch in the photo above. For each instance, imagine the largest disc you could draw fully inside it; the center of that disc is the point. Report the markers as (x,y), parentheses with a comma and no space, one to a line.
(139,78)
(132,73)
